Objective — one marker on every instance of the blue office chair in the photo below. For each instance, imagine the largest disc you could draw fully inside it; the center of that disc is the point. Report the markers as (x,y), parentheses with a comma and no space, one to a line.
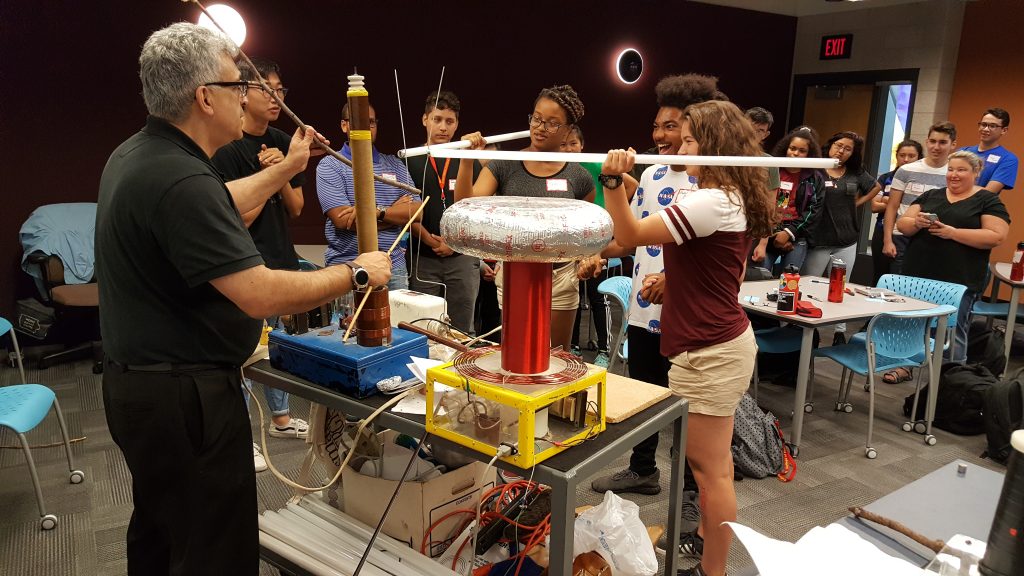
(893,340)
(618,288)
(5,327)
(777,340)
(22,408)
(936,292)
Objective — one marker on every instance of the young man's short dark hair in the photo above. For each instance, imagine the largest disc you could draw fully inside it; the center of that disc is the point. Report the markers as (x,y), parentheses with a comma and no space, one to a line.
(264,66)
(759,115)
(1003,115)
(445,100)
(946,127)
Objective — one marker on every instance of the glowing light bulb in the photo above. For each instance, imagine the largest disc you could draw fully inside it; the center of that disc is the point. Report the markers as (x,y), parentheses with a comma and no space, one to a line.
(228,18)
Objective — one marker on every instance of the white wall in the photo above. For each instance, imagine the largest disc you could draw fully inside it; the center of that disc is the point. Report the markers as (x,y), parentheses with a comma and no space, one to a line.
(923,35)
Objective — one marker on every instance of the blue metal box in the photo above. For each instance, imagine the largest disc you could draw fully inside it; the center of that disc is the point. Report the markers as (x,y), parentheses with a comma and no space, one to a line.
(348,368)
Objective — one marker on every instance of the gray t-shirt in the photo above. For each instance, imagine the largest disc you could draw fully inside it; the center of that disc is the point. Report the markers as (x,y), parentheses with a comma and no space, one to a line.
(914,179)
(572,181)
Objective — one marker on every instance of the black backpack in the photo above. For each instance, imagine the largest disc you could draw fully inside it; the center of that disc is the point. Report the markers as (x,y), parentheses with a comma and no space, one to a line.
(1004,413)
(985,347)
(961,403)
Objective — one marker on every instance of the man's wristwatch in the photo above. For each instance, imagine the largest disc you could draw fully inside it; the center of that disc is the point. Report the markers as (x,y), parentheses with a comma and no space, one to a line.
(360,277)
(381,211)
(610,181)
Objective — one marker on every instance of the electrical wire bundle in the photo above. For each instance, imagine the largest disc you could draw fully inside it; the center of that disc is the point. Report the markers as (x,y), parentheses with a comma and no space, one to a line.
(505,504)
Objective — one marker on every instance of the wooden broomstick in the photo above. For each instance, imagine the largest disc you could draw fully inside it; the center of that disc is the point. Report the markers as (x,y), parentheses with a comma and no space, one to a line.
(933,545)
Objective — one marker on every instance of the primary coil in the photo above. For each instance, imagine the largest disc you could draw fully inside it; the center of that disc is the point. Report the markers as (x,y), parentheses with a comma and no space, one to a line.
(480,363)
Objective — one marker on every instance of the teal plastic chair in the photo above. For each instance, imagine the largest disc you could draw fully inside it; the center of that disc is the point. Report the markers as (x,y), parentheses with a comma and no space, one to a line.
(777,340)
(619,289)
(893,340)
(22,408)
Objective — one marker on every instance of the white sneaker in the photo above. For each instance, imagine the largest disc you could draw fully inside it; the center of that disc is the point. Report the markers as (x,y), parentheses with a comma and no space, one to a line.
(259,462)
(295,428)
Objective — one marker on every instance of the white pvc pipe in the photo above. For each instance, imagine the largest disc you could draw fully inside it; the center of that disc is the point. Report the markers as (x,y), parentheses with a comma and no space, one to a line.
(421,150)
(301,559)
(674,160)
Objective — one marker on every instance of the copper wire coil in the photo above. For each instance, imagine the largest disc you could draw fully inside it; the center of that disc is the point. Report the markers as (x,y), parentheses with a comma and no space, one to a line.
(469,365)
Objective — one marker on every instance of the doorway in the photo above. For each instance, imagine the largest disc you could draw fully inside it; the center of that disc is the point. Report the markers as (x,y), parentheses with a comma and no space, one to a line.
(876,104)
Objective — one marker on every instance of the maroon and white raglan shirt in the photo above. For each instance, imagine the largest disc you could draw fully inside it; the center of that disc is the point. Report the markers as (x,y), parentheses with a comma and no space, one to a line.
(703,271)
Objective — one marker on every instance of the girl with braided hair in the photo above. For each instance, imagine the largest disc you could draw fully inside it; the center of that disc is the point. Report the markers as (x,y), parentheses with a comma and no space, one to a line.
(555,111)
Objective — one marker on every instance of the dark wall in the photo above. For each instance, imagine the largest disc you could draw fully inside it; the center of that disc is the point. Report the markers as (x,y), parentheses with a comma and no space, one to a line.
(71,94)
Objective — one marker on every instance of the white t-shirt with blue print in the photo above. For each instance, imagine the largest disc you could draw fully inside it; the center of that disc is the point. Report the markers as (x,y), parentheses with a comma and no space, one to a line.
(659,186)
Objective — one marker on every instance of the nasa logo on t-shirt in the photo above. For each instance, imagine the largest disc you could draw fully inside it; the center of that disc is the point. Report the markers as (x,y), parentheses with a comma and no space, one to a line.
(666,196)
(693,179)
(645,214)
(641,302)
(636,269)
(660,172)
(639,196)
(654,326)
(654,250)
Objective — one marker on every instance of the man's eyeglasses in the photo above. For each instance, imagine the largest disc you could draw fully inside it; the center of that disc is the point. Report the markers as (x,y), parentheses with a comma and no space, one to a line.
(989,125)
(281,92)
(549,125)
(242,87)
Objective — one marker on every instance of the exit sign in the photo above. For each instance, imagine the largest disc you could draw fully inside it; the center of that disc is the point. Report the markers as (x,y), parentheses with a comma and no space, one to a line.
(836,47)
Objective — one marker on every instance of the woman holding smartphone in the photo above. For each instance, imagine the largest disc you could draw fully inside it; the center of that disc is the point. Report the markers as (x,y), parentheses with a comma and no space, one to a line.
(952,231)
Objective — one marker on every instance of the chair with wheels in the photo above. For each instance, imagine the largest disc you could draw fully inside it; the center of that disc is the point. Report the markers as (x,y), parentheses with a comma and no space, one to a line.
(22,408)
(5,327)
(893,340)
(936,292)
(619,289)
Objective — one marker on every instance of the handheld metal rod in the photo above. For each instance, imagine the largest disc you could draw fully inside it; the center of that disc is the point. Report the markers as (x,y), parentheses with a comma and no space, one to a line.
(677,160)
(288,111)
(458,144)
(394,244)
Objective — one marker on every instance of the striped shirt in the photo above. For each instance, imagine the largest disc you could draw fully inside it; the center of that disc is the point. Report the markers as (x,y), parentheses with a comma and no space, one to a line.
(335,187)
(703,271)
(914,179)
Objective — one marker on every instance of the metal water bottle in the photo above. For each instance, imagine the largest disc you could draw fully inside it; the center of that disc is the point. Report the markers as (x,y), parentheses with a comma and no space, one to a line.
(1017,271)
(837,281)
(789,290)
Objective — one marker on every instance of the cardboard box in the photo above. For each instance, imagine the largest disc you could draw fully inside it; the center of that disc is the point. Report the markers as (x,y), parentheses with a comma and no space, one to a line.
(419,504)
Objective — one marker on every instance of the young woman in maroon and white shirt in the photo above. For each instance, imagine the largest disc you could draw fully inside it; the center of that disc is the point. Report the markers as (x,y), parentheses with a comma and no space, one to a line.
(707,235)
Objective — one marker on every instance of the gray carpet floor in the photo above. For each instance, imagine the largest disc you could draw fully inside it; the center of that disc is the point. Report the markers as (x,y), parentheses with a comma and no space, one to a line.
(833,474)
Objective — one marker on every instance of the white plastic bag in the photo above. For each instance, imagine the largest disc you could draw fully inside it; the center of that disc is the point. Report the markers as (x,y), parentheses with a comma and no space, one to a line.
(613,529)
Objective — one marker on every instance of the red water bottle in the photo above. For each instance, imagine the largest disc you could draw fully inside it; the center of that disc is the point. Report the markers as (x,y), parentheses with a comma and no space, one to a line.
(1017,271)
(837,281)
(789,290)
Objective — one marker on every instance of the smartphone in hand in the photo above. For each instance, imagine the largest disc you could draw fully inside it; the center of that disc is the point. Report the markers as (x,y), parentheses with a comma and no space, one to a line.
(930,215)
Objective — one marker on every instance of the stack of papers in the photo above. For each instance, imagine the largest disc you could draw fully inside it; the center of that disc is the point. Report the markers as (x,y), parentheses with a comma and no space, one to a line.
(417,403)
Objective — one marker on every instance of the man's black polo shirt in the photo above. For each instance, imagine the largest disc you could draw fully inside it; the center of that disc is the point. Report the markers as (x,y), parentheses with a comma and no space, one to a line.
(429,179)
(165,226)
(269,230)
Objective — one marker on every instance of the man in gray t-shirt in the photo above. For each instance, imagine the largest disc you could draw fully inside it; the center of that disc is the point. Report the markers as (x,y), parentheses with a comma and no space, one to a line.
(912,180)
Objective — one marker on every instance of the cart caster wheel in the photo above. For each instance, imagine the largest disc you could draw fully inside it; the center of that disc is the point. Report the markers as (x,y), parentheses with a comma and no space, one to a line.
(907,426)
(808,408)
(930,440)
(867,387)
(839,407)
(920,427)
(847,407)
(77,476)
(870,453)
(48,522)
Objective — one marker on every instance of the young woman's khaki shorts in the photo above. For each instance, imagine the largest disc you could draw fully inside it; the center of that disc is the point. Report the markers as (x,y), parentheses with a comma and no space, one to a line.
(565,288)
(713,379)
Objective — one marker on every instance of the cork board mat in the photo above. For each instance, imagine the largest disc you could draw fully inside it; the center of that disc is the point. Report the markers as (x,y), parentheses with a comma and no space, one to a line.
(626,397)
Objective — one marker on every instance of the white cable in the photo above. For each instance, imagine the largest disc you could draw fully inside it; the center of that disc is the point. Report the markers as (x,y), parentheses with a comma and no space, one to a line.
(670,159)
(503,450)
(362,425)
(433,149)
(482,336)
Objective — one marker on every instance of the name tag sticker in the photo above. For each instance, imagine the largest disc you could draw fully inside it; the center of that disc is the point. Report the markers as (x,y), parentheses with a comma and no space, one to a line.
(992,158)
(916,187)
(558,185)
(830,184)
(786,185)
(451,183)
(888,188)
(389,176)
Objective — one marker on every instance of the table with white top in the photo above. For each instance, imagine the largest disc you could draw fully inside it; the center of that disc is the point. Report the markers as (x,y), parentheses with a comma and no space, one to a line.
(856,307)
(1001,270)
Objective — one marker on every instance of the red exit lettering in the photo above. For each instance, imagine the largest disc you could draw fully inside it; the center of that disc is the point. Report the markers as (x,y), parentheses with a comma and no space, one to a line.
(835,47)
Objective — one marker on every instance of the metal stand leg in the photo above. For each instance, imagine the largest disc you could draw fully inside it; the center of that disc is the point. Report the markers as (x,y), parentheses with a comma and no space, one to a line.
(675,494)
(563,518)
(806,342)
(1011,319)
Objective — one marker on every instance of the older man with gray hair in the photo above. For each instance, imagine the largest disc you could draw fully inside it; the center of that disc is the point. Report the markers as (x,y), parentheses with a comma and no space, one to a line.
(183,292)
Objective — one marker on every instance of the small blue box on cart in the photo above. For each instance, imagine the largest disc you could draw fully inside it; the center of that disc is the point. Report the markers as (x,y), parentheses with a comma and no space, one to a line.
(348,368)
